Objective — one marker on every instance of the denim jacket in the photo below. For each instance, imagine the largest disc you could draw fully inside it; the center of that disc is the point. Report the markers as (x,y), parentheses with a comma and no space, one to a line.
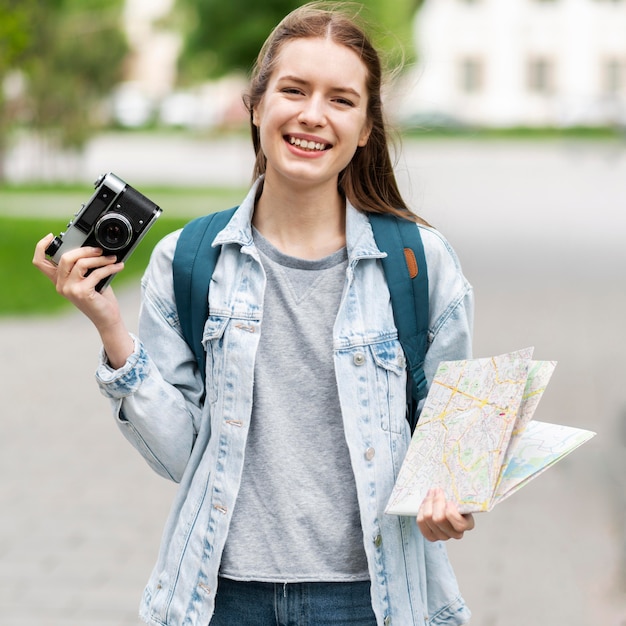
(195,433)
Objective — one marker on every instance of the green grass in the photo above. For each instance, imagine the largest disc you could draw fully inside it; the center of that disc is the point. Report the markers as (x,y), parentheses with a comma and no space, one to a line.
(64,200)
(26,291)
(425,131)
(29,213)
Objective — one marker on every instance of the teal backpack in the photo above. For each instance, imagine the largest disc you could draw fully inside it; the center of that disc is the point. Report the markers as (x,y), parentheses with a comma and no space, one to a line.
(404,267)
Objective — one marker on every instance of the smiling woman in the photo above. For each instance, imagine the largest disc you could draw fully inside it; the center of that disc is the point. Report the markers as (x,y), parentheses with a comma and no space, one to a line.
(284,450)
(310,122)
(368,180)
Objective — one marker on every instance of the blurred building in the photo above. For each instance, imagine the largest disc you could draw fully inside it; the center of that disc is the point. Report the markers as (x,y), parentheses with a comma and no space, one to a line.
(520,63)
(154,49)
(150,71)
(149,93)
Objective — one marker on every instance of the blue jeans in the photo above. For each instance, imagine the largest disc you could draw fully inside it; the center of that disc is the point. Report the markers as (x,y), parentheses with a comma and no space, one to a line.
(292,604)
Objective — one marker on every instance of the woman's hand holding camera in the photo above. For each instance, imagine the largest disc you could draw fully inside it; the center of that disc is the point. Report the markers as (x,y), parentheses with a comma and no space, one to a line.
(75,278)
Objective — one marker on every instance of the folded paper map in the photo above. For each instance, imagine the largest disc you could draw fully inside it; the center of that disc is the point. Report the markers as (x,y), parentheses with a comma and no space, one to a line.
(475,438)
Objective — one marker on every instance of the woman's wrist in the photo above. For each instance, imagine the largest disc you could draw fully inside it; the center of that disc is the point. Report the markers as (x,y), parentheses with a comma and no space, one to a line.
(118,344)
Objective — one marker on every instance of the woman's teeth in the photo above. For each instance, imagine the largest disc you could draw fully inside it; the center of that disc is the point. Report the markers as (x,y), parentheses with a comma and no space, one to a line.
(307,145)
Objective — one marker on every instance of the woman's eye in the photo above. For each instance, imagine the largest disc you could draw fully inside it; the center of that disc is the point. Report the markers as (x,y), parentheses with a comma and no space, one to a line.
(344,102)
(291,90)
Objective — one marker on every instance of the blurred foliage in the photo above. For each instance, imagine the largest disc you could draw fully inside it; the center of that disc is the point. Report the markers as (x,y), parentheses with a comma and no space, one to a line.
(78,52)
(16,17)
(67,54)
(221,37)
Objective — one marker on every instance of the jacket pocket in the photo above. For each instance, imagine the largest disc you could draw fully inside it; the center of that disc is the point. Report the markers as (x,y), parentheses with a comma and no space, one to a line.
(213,342)
(390,375)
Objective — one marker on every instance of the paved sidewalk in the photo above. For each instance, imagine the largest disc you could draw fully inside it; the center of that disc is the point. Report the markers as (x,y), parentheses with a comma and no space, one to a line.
(81,514)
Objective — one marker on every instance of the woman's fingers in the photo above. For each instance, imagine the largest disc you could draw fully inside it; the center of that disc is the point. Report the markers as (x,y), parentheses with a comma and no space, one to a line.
(41,262)
(440,520)
(75,265)
(77,275)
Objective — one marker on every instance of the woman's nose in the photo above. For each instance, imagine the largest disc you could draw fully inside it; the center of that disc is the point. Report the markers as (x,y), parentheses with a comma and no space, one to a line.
(312,113)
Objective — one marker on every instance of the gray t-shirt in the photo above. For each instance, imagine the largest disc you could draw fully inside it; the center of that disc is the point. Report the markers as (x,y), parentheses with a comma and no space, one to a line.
(297,517)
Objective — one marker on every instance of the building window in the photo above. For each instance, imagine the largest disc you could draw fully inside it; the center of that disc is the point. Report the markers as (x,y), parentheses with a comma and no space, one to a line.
(471,75)
(613,76)
(540,76)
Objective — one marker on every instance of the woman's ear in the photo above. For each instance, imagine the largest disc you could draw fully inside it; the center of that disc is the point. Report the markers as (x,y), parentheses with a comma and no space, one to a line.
(365,135)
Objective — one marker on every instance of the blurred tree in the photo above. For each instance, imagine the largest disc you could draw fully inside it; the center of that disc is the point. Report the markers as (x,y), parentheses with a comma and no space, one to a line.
(76,58)
(393,23)
(16,16)
(70,53)
(221,37)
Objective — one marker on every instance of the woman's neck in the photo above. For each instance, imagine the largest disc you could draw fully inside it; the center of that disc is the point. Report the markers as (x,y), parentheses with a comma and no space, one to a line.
(302,223)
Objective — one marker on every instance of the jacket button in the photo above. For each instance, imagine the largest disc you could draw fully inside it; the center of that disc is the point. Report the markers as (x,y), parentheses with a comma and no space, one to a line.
(369,454)
(359,358)
(378,540)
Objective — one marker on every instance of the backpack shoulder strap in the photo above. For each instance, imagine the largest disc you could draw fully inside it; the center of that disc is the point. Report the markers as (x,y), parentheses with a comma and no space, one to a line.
(407,278)
(194,261)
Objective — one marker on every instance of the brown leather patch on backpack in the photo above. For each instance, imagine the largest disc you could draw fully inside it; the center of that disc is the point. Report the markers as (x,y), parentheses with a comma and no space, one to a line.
(411,262)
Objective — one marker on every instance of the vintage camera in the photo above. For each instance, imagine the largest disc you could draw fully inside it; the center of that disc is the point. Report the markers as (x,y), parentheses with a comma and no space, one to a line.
(115,218)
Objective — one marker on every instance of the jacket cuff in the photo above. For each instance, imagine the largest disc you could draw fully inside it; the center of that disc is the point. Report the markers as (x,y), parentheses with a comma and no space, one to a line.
(122,382)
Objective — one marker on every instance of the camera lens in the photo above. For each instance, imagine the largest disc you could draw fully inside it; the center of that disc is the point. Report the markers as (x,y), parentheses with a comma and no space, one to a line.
(113,231)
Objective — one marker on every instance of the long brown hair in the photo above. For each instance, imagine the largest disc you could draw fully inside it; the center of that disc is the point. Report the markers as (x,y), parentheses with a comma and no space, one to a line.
(368,182)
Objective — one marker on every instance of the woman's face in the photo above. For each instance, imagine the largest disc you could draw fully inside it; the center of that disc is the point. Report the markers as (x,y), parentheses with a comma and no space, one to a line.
(313,116)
